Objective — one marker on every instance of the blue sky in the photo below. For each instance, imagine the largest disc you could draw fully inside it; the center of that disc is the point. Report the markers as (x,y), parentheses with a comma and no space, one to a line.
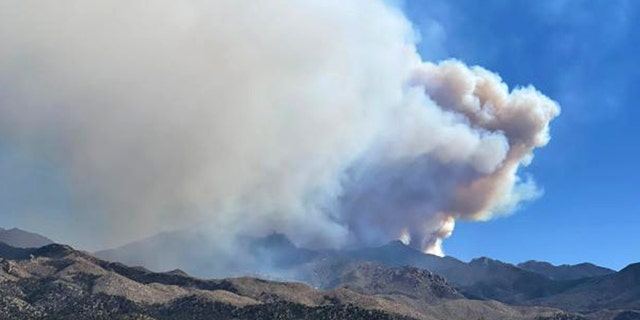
(583,54)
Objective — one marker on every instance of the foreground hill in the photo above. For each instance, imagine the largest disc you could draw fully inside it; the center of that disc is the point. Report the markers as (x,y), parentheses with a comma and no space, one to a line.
(58,282)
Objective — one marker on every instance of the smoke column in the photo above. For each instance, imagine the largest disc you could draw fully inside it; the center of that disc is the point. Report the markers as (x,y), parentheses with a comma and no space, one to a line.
(315,118)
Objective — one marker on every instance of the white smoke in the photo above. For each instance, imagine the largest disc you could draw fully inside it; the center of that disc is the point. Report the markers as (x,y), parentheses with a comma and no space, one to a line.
(315,118)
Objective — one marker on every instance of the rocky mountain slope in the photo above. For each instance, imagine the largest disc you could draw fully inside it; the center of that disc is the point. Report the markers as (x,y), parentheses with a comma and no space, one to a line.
(481,278)
(278,258)
(582,288)
(57,282)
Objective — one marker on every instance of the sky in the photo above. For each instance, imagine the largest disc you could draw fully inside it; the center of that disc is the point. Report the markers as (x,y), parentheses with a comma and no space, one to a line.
(584,55)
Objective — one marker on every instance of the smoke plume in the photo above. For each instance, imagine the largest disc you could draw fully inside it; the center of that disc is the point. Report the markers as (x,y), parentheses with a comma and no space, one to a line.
(314,118)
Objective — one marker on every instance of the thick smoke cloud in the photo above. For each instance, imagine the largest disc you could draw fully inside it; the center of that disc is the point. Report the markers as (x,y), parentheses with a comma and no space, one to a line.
(454,155)
(313,118)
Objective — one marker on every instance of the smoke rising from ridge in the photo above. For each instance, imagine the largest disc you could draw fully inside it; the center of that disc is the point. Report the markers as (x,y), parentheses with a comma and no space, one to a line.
(313,118)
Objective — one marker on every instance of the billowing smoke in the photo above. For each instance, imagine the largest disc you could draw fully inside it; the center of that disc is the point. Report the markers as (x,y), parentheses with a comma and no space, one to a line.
(453,154)
(315,118)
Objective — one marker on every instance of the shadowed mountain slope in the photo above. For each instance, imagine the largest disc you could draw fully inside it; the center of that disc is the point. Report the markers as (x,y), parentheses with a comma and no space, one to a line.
(565,271)
(620,290)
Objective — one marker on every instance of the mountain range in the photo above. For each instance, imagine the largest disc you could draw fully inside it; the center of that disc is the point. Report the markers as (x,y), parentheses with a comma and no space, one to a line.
(584,288)
(392,281)
(58,282)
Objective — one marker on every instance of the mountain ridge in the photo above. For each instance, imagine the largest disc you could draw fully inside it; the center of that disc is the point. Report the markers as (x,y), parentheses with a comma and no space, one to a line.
(23,239)
(57,281)
(565,271)
(396,272)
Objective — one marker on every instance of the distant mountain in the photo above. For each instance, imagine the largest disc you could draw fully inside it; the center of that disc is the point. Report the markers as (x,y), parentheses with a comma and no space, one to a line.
(386,269)
(580,288)
(376,279)
(161,252)
(23,239)
(193,252)
(485,278)
(620,290)
(481,278)
(565,271)
(57,282)
(278,251)
(396,253)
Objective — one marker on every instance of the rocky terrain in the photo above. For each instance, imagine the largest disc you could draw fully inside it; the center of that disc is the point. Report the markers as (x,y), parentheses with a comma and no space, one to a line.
(583,288)
(392,281)
(278,258)
(58,282)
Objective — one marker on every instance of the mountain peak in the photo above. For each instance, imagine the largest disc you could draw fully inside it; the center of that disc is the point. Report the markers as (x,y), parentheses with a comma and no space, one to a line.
(535,263)
(54,250)
(632,268)
(19,238)
(486,261)
(177,272)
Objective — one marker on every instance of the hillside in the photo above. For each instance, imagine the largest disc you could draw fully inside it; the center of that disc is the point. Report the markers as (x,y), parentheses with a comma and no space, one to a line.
(486,279)
(58,282)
